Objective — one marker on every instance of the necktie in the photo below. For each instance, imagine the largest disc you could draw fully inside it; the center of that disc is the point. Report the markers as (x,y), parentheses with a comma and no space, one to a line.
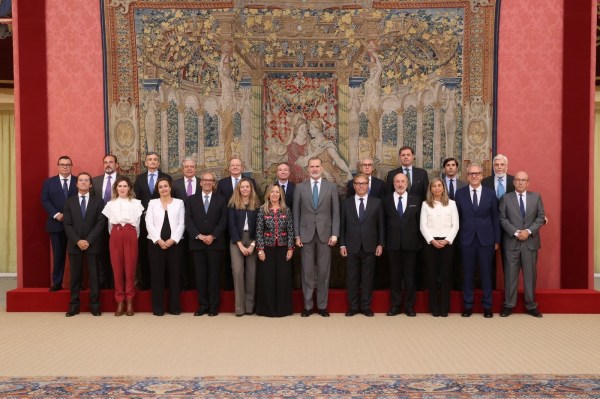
(361,209)
(475,203)
(522,205)
(83,205)
(315,195)
(451,189)
(407,173)
(151,183)
(236,182)
(189,188)
(107,190)
(65,188)
(500,189)
(206,203)
(400,210)
(283,188)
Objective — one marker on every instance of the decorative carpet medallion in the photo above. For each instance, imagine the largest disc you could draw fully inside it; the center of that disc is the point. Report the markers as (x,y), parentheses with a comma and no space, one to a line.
(371,386)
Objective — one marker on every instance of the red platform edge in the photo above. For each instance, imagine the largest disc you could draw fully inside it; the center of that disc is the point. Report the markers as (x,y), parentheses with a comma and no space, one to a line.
(549,301)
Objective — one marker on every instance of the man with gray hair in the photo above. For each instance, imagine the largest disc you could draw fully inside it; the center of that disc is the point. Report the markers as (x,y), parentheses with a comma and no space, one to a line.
(501,182)
(366,166)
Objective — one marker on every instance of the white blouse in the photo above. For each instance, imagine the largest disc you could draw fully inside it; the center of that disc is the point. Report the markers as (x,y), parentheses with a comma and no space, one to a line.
(439,221)
(155,216)
(124,211)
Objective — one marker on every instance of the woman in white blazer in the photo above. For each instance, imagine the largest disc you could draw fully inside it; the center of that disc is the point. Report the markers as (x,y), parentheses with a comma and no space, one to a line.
(165,221)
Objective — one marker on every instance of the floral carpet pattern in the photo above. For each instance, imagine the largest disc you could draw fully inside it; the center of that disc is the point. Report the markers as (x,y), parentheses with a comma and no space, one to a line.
(353,386)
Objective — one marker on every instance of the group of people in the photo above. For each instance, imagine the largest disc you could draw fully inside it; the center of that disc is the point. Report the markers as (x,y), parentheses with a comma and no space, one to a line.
(154,228)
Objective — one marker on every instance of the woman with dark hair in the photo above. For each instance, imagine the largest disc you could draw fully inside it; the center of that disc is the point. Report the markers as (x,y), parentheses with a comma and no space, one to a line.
(275,245)
(439,226)
(165,222)
(123,212)
(242,210)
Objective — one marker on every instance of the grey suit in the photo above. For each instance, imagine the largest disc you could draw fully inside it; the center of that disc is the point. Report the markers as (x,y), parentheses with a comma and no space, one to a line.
(521,254)
(314,227)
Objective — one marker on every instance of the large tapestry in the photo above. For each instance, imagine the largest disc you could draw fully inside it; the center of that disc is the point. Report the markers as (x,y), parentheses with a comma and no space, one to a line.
(284,80)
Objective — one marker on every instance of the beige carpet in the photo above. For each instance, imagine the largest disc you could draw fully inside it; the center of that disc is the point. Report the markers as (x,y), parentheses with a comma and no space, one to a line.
(48,344)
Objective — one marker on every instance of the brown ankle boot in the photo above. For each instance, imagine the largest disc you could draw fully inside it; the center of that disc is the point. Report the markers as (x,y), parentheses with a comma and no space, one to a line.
(129,307)
(119,311)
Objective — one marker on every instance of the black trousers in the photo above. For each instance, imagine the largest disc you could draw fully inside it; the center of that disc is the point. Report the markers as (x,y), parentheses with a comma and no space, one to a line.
(274,284)
(438,263)
(360,270)
(169,261)
(58,240)
(402,278)
(207,270)
(77,278)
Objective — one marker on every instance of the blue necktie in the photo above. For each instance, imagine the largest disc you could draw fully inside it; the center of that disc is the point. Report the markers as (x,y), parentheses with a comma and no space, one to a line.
(65,188)
(151,183)
(500,189)
(108,190)
(315,195)
(522,205)
(475,204)
(83,207)
(361,209)
(400,210)
(407,173)
(451,189)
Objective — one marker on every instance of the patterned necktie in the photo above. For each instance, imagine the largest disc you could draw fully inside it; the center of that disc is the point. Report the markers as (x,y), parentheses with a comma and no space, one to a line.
(400,210)
(83,207)
(407,173)
(361,209)
(206,203)
(151,183)
(315,195)
(500,189)
(189,188)
(107,190)
(522,205)
(475,203)
(65,188)
(451,189)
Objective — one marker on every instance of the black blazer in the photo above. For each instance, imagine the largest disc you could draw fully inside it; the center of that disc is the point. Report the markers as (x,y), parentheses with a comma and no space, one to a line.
(53,200)
(140,187)
(402,234)
(90,228)
(489,182)
(377,188)
(180,189)
(225,187)
(419,185)
(97,183)
(197,221)
(289,194)
(368,232)
(235,221)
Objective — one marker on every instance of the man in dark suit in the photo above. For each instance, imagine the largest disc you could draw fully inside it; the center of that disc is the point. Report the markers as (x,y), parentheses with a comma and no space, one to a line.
(402,242)
(55,192)
(316,227)
(102,187)
(206,222)
(362,236)
(145,190)
(283,176)
(418,181)
(479,237)
(84,224)
(226,184)
(376,186)
(521,216)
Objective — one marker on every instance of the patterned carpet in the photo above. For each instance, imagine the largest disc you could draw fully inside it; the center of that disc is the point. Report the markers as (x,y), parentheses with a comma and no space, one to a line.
(373,386)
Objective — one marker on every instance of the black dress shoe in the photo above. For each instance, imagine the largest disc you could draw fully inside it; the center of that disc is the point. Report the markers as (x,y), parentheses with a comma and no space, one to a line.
(158,313)
(175,313)
(72,312)
(306,313)
(96,313)
(410,312)
(324,312)
(213,313)
(56,287)
(239,314)
(487,313)
(467,313)
(351,313)
(200,312)
(435,314)
(393,312)
(249,313)
(368,313)
(444,314)
(534,312)
(506,312)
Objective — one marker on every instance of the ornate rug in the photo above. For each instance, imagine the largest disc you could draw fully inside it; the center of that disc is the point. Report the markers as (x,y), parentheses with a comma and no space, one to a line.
(372,386)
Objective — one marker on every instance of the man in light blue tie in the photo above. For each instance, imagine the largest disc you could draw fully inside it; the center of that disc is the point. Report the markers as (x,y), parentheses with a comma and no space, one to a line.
(316,227)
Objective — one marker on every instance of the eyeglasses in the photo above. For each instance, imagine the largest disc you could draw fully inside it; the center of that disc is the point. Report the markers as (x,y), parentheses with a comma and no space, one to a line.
(360,183)
(65,165)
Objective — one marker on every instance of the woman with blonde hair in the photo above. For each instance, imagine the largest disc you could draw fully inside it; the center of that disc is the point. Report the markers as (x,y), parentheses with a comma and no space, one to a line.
(243,207)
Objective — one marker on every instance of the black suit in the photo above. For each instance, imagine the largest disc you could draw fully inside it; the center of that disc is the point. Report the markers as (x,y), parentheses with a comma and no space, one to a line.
(289,194)
(207,258)
(142,192)
(180,187)
(419,182)
(361,236)
(377,188)
(402,242)
(187,268)
(90,228)
(53,201)
(225,186)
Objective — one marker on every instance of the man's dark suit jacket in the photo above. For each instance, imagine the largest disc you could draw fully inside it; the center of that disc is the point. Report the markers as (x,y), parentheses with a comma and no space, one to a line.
(225,186)
(483,223)
(402,234)
(489,182)
(53,200)
(289,194)
(368,232)
(97,183)
(419,182)
(377,188)
(180,188)
(89,228)
(197,221)
(140,187)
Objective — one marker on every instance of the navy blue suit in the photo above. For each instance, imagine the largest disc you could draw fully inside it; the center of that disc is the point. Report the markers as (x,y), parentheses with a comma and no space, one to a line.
(289,194)
(53,201)
(479,232)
